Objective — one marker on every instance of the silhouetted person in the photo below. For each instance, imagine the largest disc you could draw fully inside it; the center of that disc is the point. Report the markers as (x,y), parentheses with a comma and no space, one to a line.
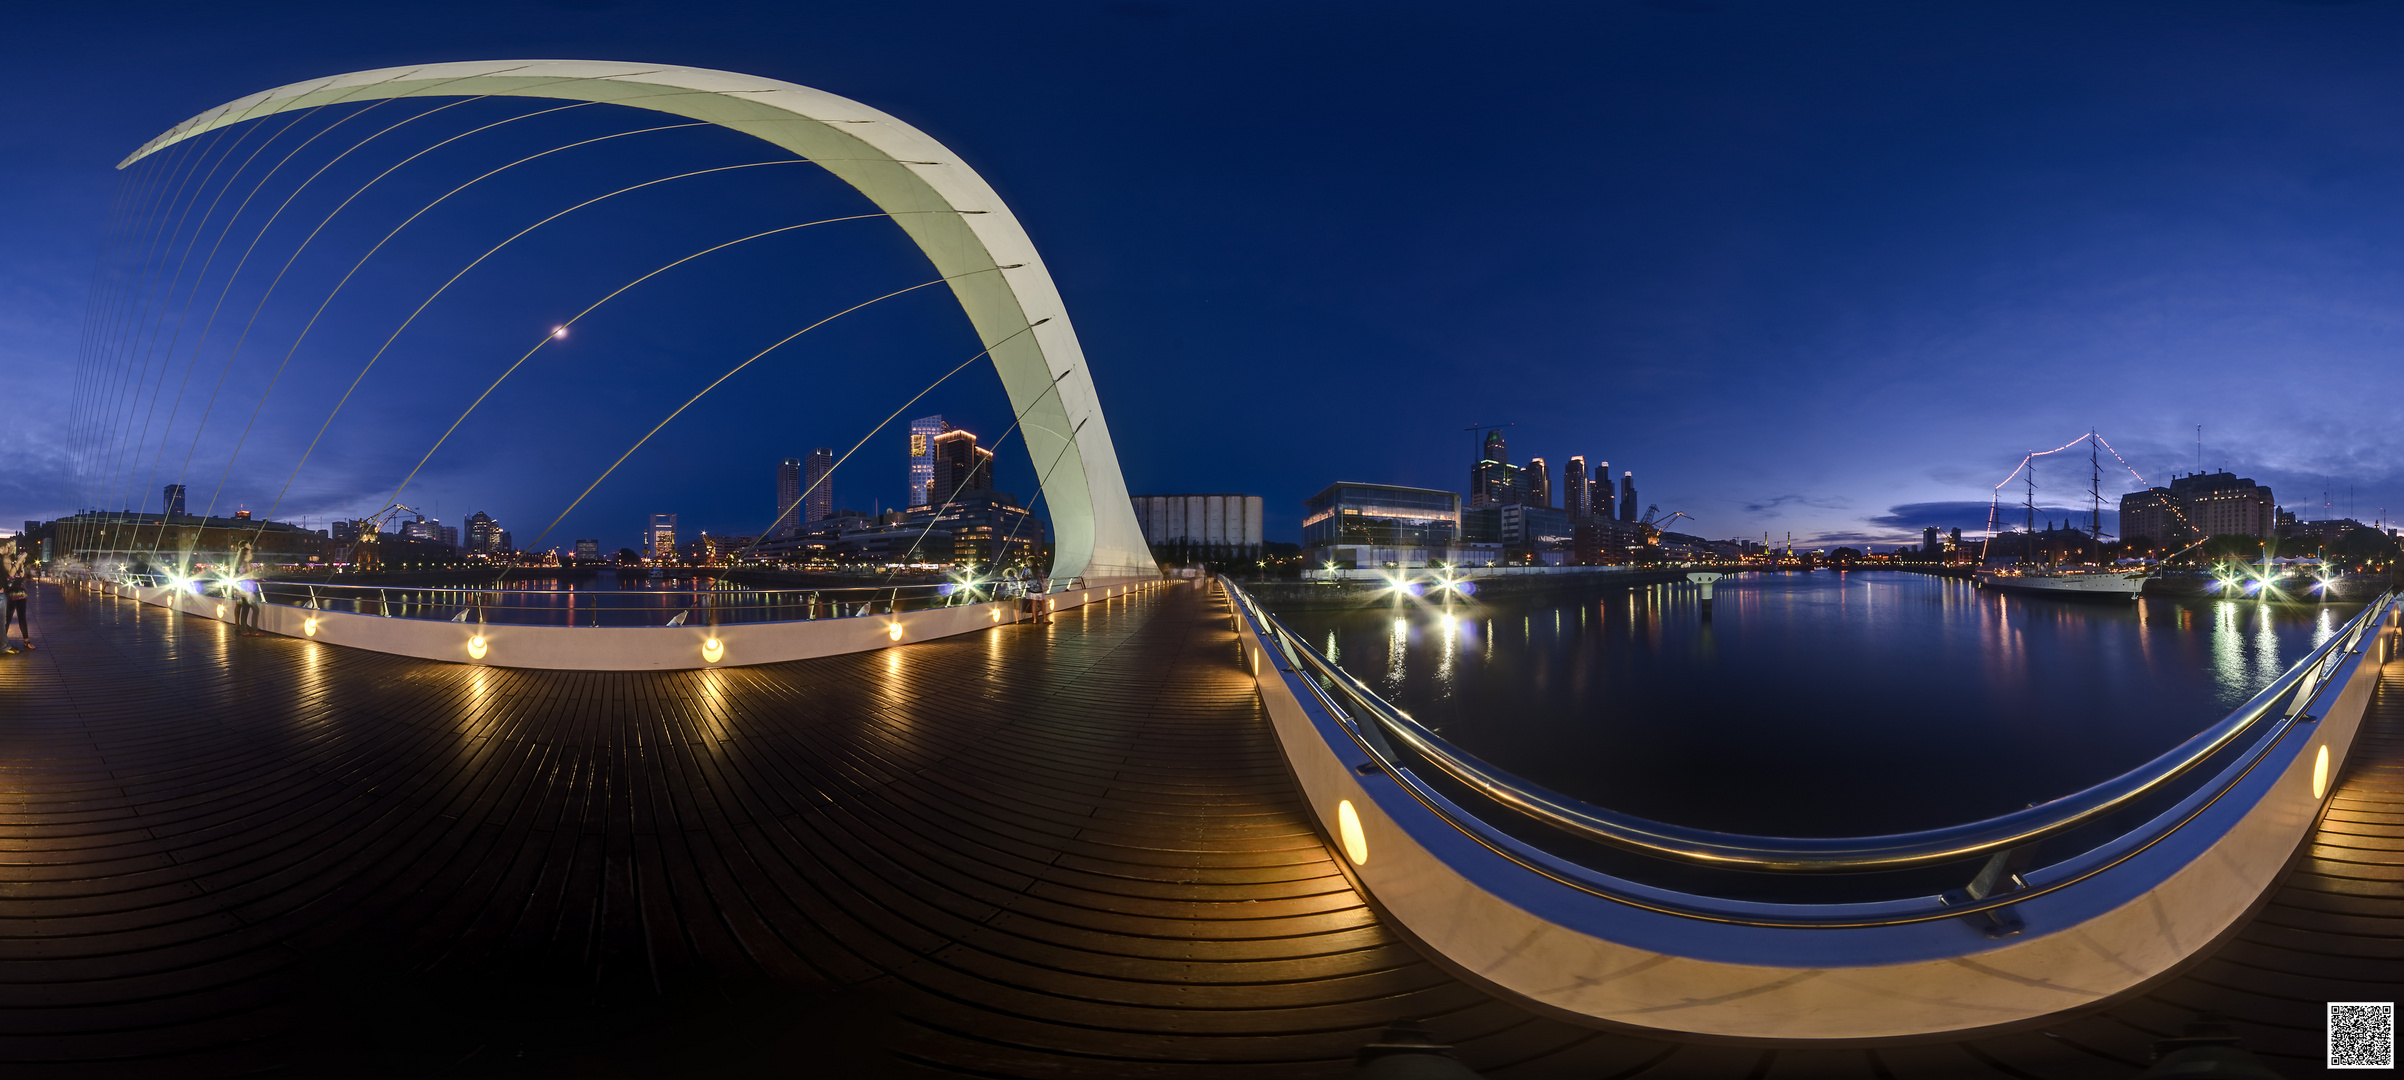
(16,573)
(246,594)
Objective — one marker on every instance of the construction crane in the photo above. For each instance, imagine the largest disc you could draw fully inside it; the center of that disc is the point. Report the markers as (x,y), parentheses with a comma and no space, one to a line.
(364,556)
(1650,525)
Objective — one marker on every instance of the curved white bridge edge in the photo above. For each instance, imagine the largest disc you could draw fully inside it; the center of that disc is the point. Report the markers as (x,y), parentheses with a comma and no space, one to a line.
(947,209)
(1534,939)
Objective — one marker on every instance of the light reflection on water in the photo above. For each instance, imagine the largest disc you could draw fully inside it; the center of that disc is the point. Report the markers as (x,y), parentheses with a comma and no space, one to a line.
(1819,703)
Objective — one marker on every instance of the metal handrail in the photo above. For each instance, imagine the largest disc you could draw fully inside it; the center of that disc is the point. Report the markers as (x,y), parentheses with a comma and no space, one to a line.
(1955,843)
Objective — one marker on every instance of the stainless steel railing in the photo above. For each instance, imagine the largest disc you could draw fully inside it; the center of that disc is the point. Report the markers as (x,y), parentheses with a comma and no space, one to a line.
(1380,727)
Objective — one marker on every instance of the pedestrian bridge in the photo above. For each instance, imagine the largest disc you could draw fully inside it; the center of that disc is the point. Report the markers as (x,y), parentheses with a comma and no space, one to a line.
(1114,844)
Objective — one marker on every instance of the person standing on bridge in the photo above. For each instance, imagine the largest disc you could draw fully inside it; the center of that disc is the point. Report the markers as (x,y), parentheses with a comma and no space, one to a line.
(16,573)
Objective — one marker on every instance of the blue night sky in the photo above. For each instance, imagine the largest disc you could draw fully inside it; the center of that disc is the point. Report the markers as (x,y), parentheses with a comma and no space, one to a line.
(1819,268)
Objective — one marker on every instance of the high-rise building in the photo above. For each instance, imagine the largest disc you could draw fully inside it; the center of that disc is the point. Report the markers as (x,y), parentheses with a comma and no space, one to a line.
(961,467)
(818,479)
(1573,487)
(1928,540)
(1493,480)
(923,432)
(1184,528)
(1599,499)
(788,497)
(484,534)
(588,551)
(174,498)
(660,541)
(423,528)
(1627,495)
(1536,483)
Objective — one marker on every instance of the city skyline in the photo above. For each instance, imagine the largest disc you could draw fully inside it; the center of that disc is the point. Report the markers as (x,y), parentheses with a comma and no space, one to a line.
(1849,251)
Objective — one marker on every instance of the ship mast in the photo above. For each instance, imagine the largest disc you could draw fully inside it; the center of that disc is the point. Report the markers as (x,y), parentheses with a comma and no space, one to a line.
(2095,491)
(2028,545)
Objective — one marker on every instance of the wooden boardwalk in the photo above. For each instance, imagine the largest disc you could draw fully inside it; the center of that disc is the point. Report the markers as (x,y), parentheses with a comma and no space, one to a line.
(1062,851)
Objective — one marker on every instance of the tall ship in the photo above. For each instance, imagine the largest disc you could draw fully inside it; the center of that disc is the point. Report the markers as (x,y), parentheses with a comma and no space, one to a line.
(2048,577)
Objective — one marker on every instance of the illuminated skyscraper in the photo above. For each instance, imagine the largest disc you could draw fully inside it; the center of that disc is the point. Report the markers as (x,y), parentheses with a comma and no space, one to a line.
(1599,500)
(1573,487)
(1493,480)
(961,467)
(922,456)
(788,498)
(1627,495)
(174,498)
(1536,484)
(661,541)
(818,478)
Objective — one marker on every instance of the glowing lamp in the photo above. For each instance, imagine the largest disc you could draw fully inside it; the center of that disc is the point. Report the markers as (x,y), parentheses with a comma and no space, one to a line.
(1348,828)
(893,630)
(221,611)
(997,614)
(713,651)
(476,647)
(309,626)
(2320,772)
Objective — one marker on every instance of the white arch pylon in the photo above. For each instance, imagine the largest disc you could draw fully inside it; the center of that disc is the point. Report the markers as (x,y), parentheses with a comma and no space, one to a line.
(950,211)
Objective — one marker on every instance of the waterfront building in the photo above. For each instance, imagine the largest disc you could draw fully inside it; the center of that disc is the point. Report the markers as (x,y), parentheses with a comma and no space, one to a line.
(1537,533)
(1536,483)
(422,528)
(923,432)
(788,497)
(1201,528)
(1493,480)
(1928,540)
(1599,500)
(989,529)
(1573,487)
(1355,524)
(588,551)
(660,536)
(2197,506)
(817,478)
(172,500)
(1627,495)
(146,543)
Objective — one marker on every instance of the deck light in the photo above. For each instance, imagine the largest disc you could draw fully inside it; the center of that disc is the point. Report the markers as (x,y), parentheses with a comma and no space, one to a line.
(893,630)
(309,626)
(1348,825)
(713,651)
(2320,772)
(476,647)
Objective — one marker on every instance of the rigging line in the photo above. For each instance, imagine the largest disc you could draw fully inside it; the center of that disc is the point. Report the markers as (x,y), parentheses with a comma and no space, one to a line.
(116,348)
(1040,481)
(321,307)
(240,264)
(228,228)
(553,335)
(150,413)
(1015,421)
(421,307)
(655,429)
(192,295)
(905,407)
(99,304)
(244,136)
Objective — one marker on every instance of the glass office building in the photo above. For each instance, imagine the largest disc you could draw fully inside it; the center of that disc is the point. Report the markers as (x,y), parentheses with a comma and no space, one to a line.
(1377,524)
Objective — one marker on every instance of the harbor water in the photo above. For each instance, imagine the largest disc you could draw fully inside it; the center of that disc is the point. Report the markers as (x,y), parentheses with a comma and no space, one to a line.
(1824,703)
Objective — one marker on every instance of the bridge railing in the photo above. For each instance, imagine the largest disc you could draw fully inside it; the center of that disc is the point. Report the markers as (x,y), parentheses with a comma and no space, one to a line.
(625,607)
(2165,792)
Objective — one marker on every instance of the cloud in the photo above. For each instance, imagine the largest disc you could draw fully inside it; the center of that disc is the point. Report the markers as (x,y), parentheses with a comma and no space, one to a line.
(1768,507)
(1968,516)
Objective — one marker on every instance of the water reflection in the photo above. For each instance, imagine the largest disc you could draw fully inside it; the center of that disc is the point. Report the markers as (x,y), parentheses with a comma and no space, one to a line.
(1819,703)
